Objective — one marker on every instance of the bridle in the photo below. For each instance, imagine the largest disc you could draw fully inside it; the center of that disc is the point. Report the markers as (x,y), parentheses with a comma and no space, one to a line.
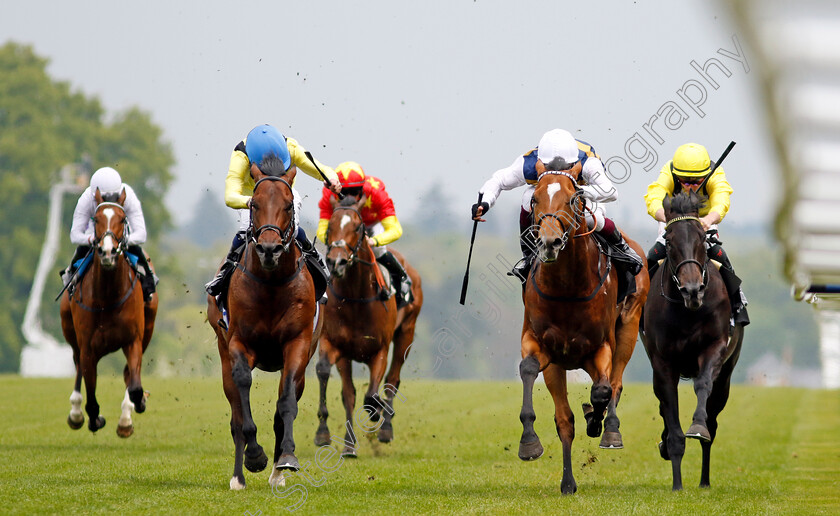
(674,270)
(566,225)
(122,243)
(287,236)
(353,253)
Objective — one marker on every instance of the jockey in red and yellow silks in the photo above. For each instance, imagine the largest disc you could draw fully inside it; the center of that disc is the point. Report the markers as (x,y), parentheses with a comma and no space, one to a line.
(381,224)
(691,169)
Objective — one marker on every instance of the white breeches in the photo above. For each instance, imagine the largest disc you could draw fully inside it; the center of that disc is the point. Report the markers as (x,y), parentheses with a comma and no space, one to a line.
(373,230)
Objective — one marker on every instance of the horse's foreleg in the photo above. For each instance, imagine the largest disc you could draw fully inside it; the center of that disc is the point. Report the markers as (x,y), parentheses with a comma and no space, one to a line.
(625,343)
(348,397)
(672,446)
(714,406)
(134,362)
(599,370)
(322,370)
(403,338)
(564,420)
(88,362)
(255,458)
(125,426)
(711,362)
(76,419)
(290,391)
(377,366)
(529,444)
(237,481)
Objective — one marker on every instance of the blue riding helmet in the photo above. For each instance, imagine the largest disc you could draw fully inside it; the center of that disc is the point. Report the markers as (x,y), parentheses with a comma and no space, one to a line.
(264,140)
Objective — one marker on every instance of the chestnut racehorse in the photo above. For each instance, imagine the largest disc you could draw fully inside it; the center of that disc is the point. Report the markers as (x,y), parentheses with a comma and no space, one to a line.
(686,334)
(572,320)
(272,307)
(105,312)
(360,326)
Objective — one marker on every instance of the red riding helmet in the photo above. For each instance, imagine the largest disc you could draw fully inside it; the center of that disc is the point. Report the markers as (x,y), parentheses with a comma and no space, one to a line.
(350,174)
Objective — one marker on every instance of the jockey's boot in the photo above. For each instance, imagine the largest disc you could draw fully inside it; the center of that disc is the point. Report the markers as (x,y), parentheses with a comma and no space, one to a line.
(528,245)
(613,237)
(68,273)
(733,284)
(400,279)
(148,279)
(316,265)
(218,285)
(656,253)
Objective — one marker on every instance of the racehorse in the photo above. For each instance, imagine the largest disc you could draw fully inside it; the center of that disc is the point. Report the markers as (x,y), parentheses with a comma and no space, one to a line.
(360,326)
(572,319)
(272,326)
(686,334)
(105,312)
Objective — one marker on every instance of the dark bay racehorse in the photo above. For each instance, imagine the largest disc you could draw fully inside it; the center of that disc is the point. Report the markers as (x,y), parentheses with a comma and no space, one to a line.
(686,334)
(272,307)
(104,313)
(360,326)
(572,319)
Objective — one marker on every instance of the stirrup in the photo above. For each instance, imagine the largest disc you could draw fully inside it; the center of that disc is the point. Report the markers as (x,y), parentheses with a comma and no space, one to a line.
(224,320)
(521,269)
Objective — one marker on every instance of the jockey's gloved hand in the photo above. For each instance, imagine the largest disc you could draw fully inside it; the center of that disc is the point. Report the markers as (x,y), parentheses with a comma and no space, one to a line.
(712,237)
(485,208)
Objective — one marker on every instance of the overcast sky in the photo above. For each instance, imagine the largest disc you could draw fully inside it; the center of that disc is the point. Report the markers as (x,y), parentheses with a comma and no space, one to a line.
(443,91)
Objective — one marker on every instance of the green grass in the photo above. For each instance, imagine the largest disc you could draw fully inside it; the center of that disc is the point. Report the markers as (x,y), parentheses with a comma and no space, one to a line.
(777,452)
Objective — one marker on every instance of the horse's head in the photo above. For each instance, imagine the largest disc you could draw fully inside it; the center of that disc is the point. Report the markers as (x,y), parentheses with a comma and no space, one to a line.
(110,234)
(685,242)
(272,211)
(557,209)
(345,234)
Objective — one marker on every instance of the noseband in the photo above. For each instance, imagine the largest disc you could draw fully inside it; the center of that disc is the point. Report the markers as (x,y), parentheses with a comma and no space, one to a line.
(286,235)
(122,243)
(574,223)
(675,270)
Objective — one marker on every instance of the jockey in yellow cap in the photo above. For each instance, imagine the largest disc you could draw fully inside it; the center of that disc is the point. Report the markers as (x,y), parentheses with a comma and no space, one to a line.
(691,169)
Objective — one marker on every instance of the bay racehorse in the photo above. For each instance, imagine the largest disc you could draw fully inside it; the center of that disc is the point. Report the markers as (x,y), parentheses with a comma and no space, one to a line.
(272,324)
(105,312)
(359,325)
(572,319)
(686,334)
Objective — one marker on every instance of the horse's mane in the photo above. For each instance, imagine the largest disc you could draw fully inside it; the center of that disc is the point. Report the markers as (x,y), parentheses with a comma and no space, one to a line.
(111,196)
(685,203)
(348,200)
(272,165)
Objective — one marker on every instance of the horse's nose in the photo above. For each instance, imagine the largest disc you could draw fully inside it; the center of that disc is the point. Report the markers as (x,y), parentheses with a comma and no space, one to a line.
(266,249)
(692,294)
(339,266)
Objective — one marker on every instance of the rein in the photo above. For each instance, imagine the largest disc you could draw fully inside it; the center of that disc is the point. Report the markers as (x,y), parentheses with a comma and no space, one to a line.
(272,282)
(286,235)
(573,224)
(549,297)
(118,304)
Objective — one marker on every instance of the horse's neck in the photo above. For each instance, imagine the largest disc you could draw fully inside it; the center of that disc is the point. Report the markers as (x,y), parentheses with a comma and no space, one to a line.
(360,279)
(110,284)
(577,268)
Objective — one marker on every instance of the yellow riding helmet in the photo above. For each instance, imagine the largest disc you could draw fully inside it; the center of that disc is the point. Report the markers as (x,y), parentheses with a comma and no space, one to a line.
(691,160)
(350,174)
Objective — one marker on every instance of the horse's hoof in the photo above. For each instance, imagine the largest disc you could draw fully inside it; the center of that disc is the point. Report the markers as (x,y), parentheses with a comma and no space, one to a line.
(611,441)
(593,424)
(236,484)
(256,462)
(568,488)
(663,451)
(349,452)
(125,431)
(385,435)
(95,425)
(698,431)
(530,451)
(322,438)
(75,425)
(277,479)
(287,461)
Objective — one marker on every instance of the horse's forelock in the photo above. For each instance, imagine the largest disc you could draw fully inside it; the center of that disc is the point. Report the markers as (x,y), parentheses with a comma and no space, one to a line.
(348,200)
(111,197)
(685,203)
(272,165)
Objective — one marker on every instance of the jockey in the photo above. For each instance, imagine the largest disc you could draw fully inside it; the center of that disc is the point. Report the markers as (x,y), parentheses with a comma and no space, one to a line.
(379,217)
(558,150)
(262,142)
(110,186)
(691,169)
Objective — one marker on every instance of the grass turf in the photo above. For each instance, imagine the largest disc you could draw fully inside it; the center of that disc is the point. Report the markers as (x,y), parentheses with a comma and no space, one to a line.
(455,451)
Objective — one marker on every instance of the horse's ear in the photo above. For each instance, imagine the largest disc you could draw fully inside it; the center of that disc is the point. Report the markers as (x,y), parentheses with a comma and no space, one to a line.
(256,173)
(97,196)
(576,169)
(539,166)
(291,173)
(333,201)
(361,202)
(121,200)
(666,205)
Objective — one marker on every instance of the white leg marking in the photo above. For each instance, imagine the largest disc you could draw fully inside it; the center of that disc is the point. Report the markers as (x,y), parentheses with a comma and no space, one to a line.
(76,415)
(235,485)
(345,219)
(127,406)
(277,479)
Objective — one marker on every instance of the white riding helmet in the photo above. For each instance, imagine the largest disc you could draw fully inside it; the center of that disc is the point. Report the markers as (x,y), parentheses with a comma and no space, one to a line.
(558,143)
(107,180)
